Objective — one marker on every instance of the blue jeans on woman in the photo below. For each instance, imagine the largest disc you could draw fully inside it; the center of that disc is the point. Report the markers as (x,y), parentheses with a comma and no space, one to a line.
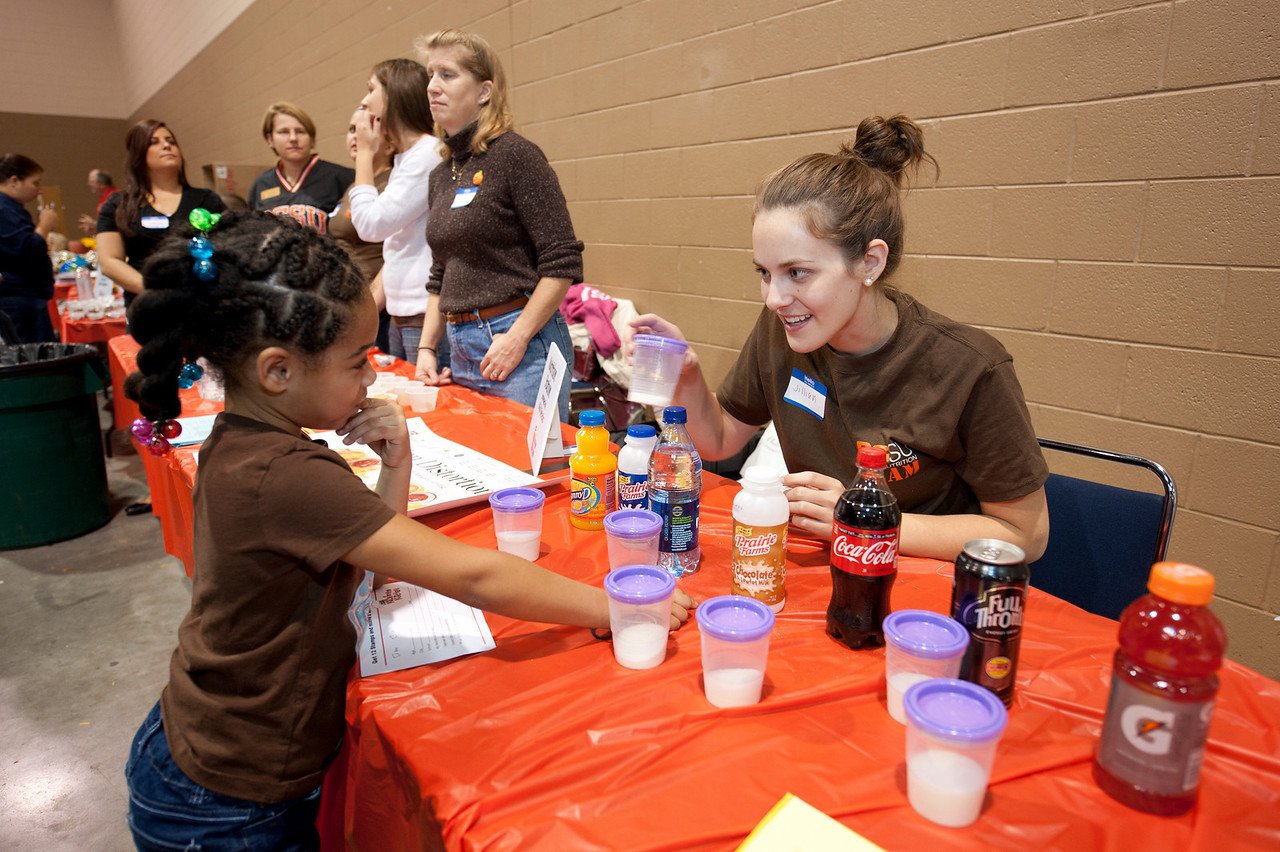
(469,341)
(167,810)
(403,343)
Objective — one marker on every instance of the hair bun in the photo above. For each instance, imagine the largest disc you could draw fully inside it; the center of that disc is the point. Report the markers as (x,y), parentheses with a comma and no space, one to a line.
(892,145)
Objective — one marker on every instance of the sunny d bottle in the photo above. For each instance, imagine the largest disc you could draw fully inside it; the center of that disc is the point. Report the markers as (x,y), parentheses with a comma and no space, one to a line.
(758,562)
(1163,683)
(593,468)
(633,467)
(675,483)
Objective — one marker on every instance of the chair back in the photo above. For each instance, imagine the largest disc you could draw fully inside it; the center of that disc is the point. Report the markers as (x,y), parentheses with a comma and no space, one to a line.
(1103,539)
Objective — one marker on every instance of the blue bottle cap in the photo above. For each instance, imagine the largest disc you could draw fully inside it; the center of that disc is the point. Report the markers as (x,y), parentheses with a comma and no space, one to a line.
(593,417)
(641,431)
(674,414)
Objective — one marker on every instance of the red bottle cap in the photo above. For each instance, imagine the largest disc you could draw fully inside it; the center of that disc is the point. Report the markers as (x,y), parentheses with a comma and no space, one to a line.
(1181,583)
(872,456)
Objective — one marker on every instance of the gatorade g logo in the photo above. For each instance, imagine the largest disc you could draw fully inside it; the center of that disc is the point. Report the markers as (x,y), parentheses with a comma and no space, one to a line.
(1147,729)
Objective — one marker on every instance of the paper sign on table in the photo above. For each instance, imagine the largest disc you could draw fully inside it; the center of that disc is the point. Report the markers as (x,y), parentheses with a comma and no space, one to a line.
(544,441)
(194,430)
(445,473)
(794,825)
(407,626)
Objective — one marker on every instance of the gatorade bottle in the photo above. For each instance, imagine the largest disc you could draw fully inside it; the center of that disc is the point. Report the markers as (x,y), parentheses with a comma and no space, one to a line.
(593,467)
(633,467)
(1163,683)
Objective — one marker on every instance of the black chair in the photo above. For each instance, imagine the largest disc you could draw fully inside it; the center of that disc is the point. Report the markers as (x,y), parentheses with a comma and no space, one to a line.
(1103,539)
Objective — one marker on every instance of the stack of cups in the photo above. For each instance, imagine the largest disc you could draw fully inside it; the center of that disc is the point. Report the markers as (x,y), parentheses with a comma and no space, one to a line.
(656,369)
(639,614)
(919,645)
(517,521)
(633,537)
(735,648)
(953,728)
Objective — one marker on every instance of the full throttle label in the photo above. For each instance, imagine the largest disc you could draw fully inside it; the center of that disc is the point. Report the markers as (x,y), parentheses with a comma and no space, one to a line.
(869,553)
(759,562)
(1153,743)
(993,618)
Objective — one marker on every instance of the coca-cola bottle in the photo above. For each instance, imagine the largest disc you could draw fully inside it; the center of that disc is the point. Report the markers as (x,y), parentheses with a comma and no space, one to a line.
(864,554)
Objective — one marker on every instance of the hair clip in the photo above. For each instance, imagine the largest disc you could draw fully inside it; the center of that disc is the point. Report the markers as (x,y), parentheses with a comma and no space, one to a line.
(191,373)
(200,248)
(155,436)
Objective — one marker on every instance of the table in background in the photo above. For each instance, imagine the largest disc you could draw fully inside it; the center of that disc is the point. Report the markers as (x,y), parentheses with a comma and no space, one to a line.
(87,330)
(546,743)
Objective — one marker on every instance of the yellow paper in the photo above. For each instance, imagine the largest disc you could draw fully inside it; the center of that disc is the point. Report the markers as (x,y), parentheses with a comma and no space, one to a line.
(794,825)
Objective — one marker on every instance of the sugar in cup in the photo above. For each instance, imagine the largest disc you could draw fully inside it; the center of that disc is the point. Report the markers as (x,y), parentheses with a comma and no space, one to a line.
(953,728)
(633,537)
(919,645)
(735,648)
(517,521)
(639,614)
(655,370)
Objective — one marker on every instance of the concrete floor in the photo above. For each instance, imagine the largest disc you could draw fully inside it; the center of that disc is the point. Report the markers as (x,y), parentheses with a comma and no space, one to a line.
(88,626)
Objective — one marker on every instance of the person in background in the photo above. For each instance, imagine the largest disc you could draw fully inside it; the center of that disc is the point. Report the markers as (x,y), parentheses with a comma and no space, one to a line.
(396,108)
(367,256)
(503,246)
(839,357)
(156,197)
(233,754)
(101,185)
(26,274)
(301,186)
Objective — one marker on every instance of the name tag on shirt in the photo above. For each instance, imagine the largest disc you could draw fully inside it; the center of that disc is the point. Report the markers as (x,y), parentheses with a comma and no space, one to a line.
(809,394)
(155,223)
(269,193)
(463,197)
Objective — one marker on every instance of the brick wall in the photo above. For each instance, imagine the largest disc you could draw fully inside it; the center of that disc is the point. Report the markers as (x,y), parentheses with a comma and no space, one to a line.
(1107,206)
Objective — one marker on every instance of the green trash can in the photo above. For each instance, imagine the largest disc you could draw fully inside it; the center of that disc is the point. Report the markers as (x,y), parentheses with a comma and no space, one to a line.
(53,478)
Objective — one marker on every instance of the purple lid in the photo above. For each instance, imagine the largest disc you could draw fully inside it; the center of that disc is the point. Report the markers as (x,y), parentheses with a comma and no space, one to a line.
(669,344)
(639,584)
(955,710)
(734,618)
(633,523)
(922,633)
(517,499)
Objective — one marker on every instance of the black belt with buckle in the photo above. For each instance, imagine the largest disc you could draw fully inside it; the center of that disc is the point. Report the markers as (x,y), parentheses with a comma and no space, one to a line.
(456,317)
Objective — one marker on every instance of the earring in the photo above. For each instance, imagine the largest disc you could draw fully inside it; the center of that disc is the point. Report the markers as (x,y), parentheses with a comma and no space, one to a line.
(868,282)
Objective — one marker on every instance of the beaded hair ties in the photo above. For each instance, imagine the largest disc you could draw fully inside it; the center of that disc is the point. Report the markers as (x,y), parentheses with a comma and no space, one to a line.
(156,435)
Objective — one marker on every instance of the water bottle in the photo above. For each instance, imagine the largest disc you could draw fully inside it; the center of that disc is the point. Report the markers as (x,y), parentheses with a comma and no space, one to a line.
(675,482)
(1163,683)
(633,467)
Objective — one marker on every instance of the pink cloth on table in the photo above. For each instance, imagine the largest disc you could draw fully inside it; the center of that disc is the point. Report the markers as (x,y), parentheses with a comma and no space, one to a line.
(585,304)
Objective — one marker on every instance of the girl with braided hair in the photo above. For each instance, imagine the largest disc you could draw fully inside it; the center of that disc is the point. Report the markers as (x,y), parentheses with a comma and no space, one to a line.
(235,749)
(840,357)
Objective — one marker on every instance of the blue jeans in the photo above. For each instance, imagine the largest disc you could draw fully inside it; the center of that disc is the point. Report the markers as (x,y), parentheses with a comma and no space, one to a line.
(469,341)
(167,810)
(30,318)
(404,342)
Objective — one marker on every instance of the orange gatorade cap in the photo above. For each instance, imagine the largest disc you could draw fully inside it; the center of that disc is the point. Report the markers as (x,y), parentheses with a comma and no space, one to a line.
(1181,583)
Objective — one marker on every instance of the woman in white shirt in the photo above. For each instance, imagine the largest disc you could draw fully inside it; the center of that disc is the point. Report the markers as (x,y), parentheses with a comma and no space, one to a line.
(397,105)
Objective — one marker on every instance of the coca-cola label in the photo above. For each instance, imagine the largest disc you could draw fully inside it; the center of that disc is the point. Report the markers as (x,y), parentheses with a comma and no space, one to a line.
(869,553)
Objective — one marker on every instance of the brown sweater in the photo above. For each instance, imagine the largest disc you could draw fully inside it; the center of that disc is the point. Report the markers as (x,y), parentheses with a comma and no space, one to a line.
(367,256)
(514,230)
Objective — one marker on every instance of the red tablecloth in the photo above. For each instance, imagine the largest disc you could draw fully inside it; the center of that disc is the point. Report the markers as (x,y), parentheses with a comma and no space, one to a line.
(62,290)
(90,330)
(546,743)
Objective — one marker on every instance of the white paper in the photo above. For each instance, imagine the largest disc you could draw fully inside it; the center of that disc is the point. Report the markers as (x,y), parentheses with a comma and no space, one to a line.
(543,440)
(445,473)
(194,430)
(407,626)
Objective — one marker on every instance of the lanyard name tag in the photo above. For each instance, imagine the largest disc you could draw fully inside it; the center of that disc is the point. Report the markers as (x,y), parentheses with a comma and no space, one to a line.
(155,223)
(809,394)
(463,197)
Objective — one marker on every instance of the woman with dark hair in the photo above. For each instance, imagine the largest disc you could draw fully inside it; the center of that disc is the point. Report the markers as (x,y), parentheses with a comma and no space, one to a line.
(499,230)
(397,107)
(156,197)
(301,186)
(840,357)
(26,275)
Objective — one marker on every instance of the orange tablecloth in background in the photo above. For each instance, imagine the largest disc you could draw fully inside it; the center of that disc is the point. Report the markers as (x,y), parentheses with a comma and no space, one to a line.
(546,743)
(89,330)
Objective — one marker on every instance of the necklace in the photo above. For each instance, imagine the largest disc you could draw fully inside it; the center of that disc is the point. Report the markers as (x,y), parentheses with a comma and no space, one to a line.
(455,170)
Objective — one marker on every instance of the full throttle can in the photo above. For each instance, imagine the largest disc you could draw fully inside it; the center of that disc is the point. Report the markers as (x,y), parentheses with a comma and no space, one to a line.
(987,597)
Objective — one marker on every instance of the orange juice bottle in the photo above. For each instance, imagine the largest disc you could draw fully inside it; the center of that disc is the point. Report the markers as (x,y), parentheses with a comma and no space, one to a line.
(594,469)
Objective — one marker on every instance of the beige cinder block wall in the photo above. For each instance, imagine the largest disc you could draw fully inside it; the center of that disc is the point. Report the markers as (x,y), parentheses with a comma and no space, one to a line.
(1107,207)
